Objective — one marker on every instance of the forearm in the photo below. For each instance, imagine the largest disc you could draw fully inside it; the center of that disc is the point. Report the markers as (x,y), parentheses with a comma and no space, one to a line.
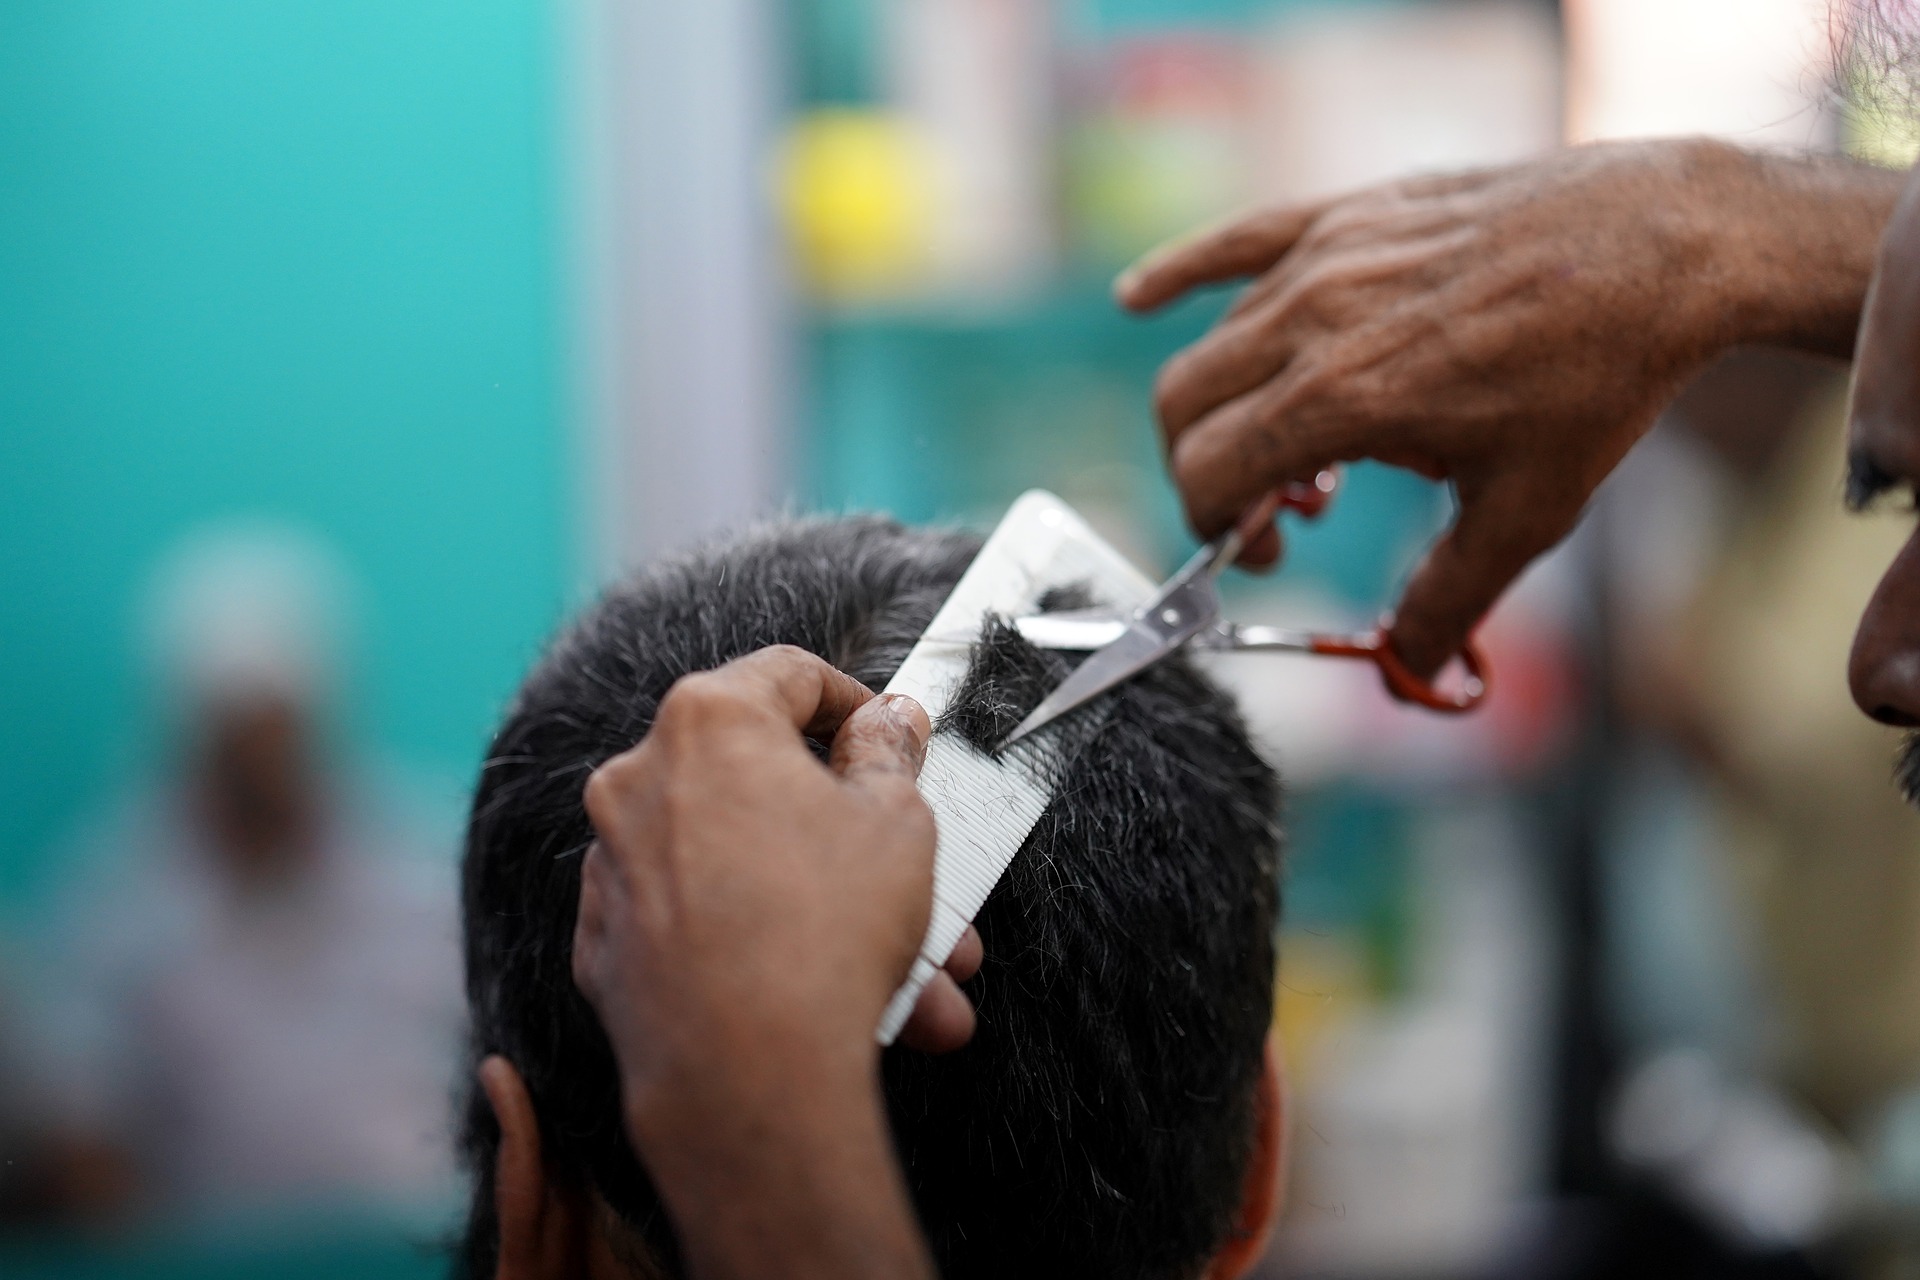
(1799,236)
(793,1175)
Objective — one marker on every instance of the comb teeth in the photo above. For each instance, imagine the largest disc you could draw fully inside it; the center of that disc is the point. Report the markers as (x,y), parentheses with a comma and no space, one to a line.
(983,810)
(984,807)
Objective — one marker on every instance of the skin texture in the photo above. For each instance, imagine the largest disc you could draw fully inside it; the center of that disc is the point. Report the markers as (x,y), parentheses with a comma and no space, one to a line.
(1513,330)
(550,1230)
(1883,446)
(721,826)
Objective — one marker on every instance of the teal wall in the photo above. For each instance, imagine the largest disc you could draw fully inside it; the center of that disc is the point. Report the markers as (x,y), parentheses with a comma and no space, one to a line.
(293,259)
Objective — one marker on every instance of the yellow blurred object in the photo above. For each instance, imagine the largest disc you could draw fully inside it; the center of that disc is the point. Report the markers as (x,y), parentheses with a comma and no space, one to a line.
(856,188)
(1322,983)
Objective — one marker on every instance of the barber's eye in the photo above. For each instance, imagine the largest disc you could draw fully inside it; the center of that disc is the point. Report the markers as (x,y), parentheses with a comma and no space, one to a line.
(1872,488)
(1895,500)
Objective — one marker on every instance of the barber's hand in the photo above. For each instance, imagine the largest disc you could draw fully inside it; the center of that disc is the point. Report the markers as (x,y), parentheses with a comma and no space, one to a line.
(1514,331)
(745,916)
(741,891)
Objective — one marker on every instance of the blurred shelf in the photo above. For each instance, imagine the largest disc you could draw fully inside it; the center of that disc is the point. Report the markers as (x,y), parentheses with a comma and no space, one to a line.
(937,411)
(1077,314)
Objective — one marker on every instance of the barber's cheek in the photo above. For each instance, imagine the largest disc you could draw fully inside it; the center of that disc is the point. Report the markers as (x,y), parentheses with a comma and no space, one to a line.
(1884,670)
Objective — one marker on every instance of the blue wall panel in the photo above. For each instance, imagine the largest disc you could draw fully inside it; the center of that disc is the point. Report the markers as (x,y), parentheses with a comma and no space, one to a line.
(284,259)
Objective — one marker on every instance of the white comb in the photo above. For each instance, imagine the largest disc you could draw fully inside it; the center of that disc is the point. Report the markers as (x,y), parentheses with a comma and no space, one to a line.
(984,808)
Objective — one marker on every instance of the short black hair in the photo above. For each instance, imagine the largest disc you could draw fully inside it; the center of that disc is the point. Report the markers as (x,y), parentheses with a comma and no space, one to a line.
(1101,1120)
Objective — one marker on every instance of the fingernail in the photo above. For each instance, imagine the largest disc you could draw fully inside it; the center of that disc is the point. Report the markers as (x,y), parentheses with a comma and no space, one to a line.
(909,715)
(1124,282)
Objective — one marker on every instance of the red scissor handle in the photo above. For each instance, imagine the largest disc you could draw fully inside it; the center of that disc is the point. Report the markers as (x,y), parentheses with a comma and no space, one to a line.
(1402,683)
(1309,498)
(1305,498)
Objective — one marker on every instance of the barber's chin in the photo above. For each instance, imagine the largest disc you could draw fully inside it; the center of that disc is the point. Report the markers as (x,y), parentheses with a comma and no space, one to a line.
(1906,769)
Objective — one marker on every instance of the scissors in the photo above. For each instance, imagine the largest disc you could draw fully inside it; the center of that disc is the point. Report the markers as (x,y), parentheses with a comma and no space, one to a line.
(1187,610)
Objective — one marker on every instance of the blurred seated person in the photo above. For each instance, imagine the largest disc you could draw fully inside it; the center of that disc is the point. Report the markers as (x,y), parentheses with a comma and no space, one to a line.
(252,993)
(1117,1112)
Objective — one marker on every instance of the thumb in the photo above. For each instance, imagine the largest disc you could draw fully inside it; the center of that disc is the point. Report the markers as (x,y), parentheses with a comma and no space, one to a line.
(1497,534)
(886,736)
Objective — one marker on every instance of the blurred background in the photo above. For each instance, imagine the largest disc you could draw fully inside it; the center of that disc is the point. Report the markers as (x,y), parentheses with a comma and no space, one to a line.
(344,347)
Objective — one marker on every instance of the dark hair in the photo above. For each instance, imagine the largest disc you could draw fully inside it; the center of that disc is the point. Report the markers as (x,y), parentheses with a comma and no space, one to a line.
(1101,1120)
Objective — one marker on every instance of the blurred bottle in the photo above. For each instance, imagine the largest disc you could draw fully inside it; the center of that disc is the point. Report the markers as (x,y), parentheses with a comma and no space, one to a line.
(1349,95)
(975,77)
(1160,143)
(938,183)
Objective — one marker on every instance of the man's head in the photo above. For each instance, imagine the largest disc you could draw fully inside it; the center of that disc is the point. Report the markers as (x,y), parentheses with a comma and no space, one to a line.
(1883,454)
(1115,1113)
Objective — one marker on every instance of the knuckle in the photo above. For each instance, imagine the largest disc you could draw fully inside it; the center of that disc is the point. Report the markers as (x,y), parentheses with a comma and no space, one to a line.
(1307,385)
(695,701)
(609,786)
(1169,387)
(788,655)
(1316,292)
(676,704)
(1355,218)
(597,796)
(1326,229)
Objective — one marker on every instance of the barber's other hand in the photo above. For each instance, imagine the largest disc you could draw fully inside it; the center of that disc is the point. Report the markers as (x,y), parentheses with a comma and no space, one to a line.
(745,915)
(746,906)
(1513,330)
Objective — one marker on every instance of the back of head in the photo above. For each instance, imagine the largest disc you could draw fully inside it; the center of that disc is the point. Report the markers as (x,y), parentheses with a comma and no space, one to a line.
(1100,1121)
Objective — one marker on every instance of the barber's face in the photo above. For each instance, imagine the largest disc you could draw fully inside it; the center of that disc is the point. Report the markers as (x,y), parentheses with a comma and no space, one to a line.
(1883,448)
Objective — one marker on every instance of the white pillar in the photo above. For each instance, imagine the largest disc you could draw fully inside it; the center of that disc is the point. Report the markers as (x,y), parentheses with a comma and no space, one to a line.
(683,311)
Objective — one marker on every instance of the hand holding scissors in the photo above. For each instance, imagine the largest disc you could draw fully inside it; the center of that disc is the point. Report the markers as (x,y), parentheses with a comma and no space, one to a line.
(1187,610)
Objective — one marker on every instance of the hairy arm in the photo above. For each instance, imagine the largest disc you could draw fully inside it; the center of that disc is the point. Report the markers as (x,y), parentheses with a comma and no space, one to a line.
(1808,229)
(745,914)
(1513,330)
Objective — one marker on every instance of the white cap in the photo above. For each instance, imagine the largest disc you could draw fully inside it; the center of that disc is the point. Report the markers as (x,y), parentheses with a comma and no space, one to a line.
(247,608)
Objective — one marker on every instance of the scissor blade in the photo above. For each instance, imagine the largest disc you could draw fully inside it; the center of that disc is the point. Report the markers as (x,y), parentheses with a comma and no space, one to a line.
(1138,648)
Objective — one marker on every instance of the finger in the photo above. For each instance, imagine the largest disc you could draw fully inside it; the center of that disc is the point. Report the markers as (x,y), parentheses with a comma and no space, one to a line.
(943,1020)
(1237,356)
(967,954)
(1266,438)
(1228,252)
(1248,245)
(1264,550)
(815,696)
(887,736)
(1495,537)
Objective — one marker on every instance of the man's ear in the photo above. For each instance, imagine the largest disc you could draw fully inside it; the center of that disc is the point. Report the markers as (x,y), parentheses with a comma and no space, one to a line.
(540,1226)
(1266,1179)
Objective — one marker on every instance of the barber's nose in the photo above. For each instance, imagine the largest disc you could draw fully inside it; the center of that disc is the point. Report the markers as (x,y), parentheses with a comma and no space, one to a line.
(1884,670)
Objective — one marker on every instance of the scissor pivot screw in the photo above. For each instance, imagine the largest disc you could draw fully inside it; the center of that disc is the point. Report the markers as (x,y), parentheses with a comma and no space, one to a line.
(1170,616)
